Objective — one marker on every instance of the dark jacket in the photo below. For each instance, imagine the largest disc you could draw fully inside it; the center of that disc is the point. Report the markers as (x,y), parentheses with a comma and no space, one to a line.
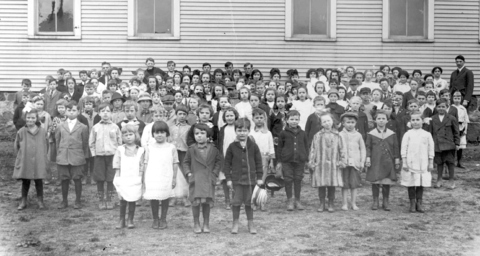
(446,134)
(18,120)
(241,163)
(312,126)
(276,123)
(336,110)
(293,145)
(463,82)
(406,97)
(191,136)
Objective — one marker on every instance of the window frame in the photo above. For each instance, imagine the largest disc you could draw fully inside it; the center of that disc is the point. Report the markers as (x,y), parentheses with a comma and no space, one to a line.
(430,38)
(332,28)
(32,24)
(132,35)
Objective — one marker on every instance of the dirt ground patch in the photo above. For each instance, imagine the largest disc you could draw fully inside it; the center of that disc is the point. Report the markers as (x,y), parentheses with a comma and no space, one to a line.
(450,226)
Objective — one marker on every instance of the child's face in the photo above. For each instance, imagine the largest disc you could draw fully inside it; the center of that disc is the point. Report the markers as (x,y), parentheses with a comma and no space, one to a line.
(198,89)
(429,79)
(281,89)
(186,79)
(355,105)
(430,99)
(162,91)
(260,89)
(94,75)
(270,96)
(281,103)
(256,76)
(70,84)
(52,85)
(25,87)
(117,103)
(160,137)
(397,100)
(193,104)
(353,87)
(39,105)
(244,95)
(200,136)
(112,87)
(254,101)
(72,113)
(114,74)
(156,98)
(181,116)
(218,91)
(276,77)
(379,76)
(395,73)
(313,75)
(134,94)
(272,85)
(206,88)
(156,116)
(381,120)
(140,75)
(421,100)
(207,68)
(259,120)
(368,76)
(376,96)
(61,109)
(384,85)
(223,102)
(185,91)
(293,121)
(442,109)
(359,77)
(152,83)
(333,85)
(83,77)
(417,75)
(319,105)
(186,71)
(25,99)
(457,100)
(413,85)
(365,96)
(89,90)
(176,79)
(30,119)
(319,88)
(302,94)
(218,76)
(159,79)
(333,98)
(195,79)
(445,96)
(327,122)
(428,87)
(236,76)
(88,106)
(350,72)
(178,98)
(416,121)
(171,67)
(130,113)
(413,107)
(205,78)
(403,79)
(168,106)
(169,83)
(204,115)
(229,117)
(106,113)
(341,94)
(227,79)
(59,76)
(349,124)
(387,109)
(128,138)
(95,83)
(242,133)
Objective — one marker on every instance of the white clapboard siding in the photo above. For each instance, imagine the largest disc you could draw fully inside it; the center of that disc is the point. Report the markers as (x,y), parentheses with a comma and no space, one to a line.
(239,31)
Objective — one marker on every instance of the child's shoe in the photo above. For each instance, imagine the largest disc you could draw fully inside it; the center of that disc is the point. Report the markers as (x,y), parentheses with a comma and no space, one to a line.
(419,206)
(330,206)
(235,227)
(41,205)
(109,205)
(375,203)
(23,204)
(227,204)
(77,205)
(101,203)
(156,224)
(386,204)
(355,207)
(412,205)
(196,226)
(298,205)
(452,184)
(186,202)
(345,207)
(439,183)
(121,223)
(163,224)
(290,205)
(206,225)
(263,207)
(322,205)
(251,227)
(62,205)
(130,224)
(172,202)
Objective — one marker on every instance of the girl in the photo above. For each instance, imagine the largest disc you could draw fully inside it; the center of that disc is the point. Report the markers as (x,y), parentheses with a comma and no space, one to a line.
(160,173)
(292,94)
(193,104)
(134,92)
(195,80)
(243,107)
(312,76)
(169,84)
(376,97)
(186,79)
(30,148)
(152,84)
(402,85)
(128,164)
(156,100)
(277,118)
(201,165)
(281,89)
(218,75)
(382,159)
(236,75)
(178,95)
(218,90)
(327,156)
(257,103)
(341,97)
(43,116)
(269,96)
(438,82)
(159,78)
(257,75)
(320,90)
(463,121)
(225,137)
(177,79)
(205,78)
(417,158)
(303,105)
(369,81)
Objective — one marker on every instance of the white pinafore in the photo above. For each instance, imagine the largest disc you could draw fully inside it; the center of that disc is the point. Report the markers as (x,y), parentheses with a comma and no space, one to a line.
(159,171)
(129,183)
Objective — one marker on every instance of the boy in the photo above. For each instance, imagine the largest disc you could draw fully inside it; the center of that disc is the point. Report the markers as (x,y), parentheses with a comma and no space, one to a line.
(171,68)
(446,137)
(352,90)
(355,155)
(421,98)
(365,95)
(260,88)
(335,109)
(362,120)
(106,96)
(412,94)
(18,119)
(386,92)
(463,121)
(89,113)
(26,86)
(293,152)
(89,92)
(162,89)
(130,110)
(170,116)
(83,78)
(145,102)
(104,139)
(117,101)
(60,81)
(398,110)
(71,138)
(243,169)
(313,124)
(451,110)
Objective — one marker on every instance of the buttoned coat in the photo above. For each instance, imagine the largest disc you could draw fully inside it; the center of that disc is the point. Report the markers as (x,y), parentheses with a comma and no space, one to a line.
(462,81)
(72,146)
(445,133)
(30,148)
(204,171)
(383,149)
(51,100)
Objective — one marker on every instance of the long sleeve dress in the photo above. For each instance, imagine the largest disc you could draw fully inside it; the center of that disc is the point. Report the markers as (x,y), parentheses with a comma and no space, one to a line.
(418,149)
(31,149)
(326,153)
(383,149)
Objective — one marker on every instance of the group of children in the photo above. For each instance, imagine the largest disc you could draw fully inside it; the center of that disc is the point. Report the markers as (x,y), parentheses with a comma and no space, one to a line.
(173,136)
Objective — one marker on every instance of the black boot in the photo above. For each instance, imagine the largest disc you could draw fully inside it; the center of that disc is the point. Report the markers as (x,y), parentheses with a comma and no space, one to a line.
(154,204)
(196,219)
(78,194)
(163,216)
(376,195)
(251,226)
(131,214)
(386,195)
(206,218)
(65,186)
(25,188)
(236,216)
(123,210)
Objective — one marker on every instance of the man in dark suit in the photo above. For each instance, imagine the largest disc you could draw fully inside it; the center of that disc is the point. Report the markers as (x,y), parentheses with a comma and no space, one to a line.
(462,80)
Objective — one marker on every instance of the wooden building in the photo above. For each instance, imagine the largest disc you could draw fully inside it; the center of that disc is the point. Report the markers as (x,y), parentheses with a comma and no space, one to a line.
(37,37)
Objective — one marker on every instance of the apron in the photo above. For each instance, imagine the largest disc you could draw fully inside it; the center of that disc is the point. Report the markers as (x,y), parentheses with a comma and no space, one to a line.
(129,182)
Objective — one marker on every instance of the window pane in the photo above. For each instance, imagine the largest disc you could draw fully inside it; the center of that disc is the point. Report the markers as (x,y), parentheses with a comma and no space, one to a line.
(301,16)
(145,19)
(398,16)
(163,16)
(416,17)
(55,16)
(319,17)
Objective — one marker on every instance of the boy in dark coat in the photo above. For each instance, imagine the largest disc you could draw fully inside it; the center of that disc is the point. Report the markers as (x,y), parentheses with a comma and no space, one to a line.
(243,169)
(446,136)
(201,166)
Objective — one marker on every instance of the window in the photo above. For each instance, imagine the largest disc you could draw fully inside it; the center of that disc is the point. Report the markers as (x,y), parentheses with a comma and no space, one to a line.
(310,20)
(154,19)
(53,19)
(408,20)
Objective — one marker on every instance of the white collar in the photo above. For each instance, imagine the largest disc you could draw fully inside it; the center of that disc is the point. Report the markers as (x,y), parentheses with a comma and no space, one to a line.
(460,69)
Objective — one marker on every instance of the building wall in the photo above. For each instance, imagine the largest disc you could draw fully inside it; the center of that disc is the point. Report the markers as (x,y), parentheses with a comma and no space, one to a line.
(240,31)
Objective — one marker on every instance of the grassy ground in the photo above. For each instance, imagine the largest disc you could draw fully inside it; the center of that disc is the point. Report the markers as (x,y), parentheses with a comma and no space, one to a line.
(450,226)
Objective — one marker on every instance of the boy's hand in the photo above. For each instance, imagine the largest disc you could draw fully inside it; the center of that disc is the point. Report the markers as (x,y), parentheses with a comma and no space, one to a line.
(367,162)
(271,165)
(259,182)
(229,184)
(174,182)
(430,165)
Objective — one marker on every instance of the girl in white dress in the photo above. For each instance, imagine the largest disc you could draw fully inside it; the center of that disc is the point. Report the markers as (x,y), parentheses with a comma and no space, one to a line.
(128,164)
(303,105)
(161,173)
(463,121)
(417,152)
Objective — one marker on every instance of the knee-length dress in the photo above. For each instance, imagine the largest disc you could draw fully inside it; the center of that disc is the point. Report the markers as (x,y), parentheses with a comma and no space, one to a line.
(128,182)
(159,171)
(417,148)
(326,153)
(31,149)
(383,149)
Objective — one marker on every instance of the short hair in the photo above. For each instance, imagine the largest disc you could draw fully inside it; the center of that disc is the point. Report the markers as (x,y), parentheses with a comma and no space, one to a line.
(444,91)
(431,93)
(206,64)
(111,82)
(228,64)
(130,128)
(412,101)
(292,113)
(435,68)
(398,93)
(429,82)
(27,82)
(105,63)
(38,98)
(383,80)
(416,112)
(356,98)
(89,85)
(247,64)
(72,104)
(230,109)
(181,108)
(205,106)
(347,117)
(258,111)
(160,126)
(318,98)
(171,62)
(442,100)
(310,71)
(149,59)
(242,123)
(61,71)
(130,103)
(89,99)
(52,80)
(187,67)
(62,102)
(157,110)
(107,92)
(103,106)
(33,111)
(82,72)
(203,127)
(421,93)
(381,112)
